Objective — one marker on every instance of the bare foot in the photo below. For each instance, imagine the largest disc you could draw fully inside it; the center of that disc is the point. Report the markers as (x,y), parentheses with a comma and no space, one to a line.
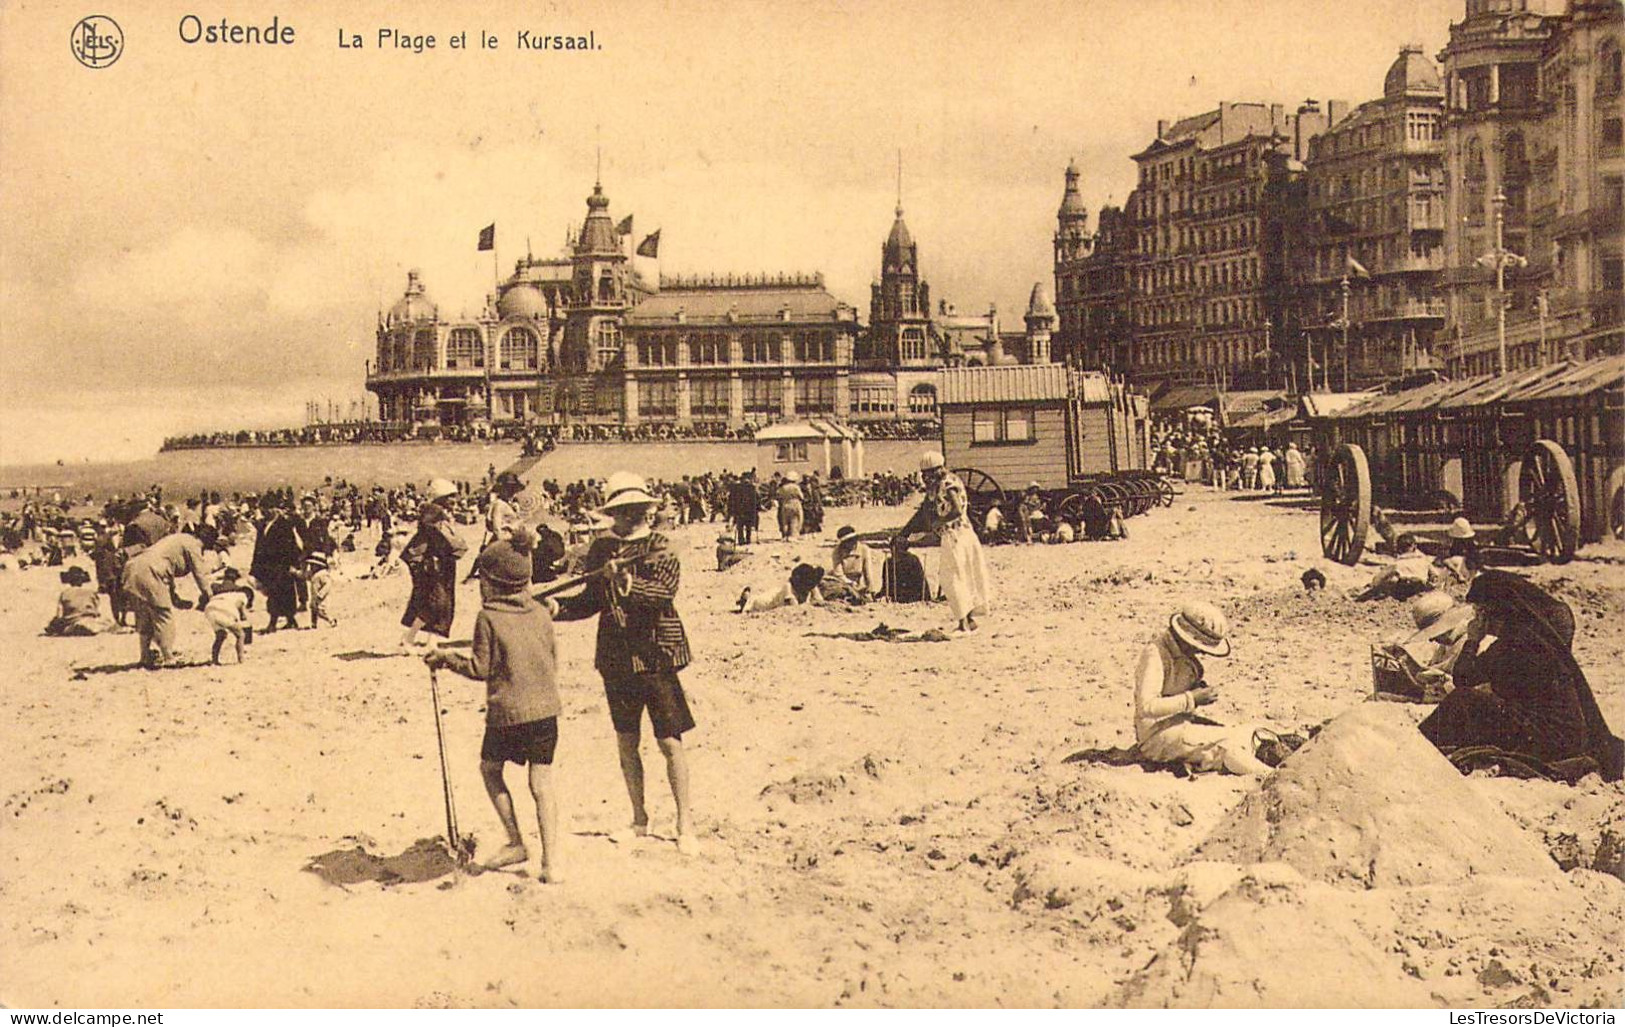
(552,874)
(688,845)
(629,833)
(507,856)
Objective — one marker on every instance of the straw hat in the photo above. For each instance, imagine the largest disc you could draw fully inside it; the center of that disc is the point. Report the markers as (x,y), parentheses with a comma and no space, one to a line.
(793,476)
(931,460)
(508,484)
(1429,607)
(75,575)
(1203,627)
(626,489)
(440,488)
(1461,528)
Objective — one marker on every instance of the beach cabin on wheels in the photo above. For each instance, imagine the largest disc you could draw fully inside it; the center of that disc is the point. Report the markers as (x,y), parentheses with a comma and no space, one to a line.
(832,450)
(1041,423)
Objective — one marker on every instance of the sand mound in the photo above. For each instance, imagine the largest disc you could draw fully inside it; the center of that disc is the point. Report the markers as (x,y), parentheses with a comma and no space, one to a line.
(1370,803)
(1271,939)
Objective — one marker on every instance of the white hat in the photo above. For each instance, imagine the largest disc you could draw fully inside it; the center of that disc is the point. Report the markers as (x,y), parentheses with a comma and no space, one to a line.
(1429,607)
(792,476)
(440,488)
(1461,528)
(626,489)
(931,460)
(1203,627)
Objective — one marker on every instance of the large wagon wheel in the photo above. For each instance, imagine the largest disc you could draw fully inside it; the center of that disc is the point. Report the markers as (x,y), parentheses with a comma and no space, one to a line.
(1548,491)
(1165,491)
(1345,505)
(982,490)
(1071,509)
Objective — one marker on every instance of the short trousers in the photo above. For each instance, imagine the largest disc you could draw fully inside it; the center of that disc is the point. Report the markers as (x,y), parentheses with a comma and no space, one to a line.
(660,693)
(531,742)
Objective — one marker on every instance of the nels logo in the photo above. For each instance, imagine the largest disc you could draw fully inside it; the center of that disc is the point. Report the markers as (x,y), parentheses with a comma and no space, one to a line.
(97,41)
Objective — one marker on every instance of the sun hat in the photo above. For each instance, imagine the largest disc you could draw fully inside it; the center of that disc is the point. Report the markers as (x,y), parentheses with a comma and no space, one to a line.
(793,476)
(846,532)
(1429,607)
(440,488)
(626,489)
(1203,627)
(507,483)
(931,460)
(74,575)
(1461,528)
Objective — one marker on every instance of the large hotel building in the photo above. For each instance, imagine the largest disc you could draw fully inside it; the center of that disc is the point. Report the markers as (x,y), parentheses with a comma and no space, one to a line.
(585,337)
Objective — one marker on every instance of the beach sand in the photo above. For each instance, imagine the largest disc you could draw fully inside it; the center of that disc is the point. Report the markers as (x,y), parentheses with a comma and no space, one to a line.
(884,824)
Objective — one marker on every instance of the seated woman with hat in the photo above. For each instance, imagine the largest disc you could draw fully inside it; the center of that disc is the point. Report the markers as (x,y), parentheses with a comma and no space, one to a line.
(1518,686)
(1168,688)
(78,607)
(852,567)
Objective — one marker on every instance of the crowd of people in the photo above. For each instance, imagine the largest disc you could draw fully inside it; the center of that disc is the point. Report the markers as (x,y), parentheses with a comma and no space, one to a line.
(1205,454)
(1502,666)
(536,438)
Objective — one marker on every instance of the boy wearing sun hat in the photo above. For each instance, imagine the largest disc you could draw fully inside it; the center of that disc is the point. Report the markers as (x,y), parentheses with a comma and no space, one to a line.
(641,645)
(1169,686)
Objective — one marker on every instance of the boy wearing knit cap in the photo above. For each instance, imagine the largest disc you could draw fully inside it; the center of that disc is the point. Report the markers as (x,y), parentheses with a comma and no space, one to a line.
(513,653)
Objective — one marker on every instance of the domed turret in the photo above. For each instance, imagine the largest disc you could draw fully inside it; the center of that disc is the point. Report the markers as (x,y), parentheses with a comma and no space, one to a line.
(1411,73)
(1071,200)
(522,300)
(598,234)
(415,304)
(1038,304)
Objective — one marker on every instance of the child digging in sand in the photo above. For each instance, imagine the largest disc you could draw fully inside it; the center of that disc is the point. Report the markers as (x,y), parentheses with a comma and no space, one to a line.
(227,612)
(513,653)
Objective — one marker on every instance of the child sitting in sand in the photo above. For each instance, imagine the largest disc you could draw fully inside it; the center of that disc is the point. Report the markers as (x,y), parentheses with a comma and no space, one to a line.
(514,654)
(227,612)
(319,582)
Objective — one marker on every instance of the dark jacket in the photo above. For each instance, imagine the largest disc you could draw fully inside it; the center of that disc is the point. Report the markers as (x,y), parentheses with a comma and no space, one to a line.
(638,632)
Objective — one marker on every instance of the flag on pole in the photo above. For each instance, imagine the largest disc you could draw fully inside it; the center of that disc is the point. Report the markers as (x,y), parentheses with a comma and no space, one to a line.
(650,246)
(625,227)
(488,238)
(1357,269)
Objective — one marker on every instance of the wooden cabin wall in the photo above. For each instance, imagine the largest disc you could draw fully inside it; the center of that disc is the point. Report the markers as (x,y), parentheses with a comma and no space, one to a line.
(1043,460)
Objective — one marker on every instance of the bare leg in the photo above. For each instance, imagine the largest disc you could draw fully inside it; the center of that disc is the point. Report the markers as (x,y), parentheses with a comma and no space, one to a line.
(412,629)
(219,641)
(677,774)
(502,801)
(547,819)
(237,638)
(632,770)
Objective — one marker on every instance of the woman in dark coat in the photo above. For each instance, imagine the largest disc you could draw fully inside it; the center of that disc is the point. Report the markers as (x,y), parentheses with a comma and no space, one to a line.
(279,548)
(432,558)
(744,508)
(1524,694)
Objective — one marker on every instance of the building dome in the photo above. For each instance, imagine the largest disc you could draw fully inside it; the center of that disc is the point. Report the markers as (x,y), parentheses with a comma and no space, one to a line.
(1411,72)
(1072,200)
(522,300)
(414,304)
(598,235)
(1038,304)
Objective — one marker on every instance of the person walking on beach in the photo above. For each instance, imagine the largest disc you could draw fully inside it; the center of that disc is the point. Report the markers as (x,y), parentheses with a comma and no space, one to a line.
(279,549)
(789,499)
(641,647)
(432,557)
(961,565)
(744,508)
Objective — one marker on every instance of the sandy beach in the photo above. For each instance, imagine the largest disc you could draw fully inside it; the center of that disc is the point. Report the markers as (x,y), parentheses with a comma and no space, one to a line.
(884,824)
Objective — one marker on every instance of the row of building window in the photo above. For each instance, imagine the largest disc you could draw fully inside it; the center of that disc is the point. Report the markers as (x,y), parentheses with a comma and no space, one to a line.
(518,349)
(713,348)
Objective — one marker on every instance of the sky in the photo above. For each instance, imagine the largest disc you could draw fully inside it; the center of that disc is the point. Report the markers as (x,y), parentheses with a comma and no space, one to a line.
(201,236)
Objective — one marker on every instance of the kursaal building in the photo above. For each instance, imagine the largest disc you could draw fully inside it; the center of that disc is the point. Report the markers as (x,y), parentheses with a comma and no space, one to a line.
(590,337)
